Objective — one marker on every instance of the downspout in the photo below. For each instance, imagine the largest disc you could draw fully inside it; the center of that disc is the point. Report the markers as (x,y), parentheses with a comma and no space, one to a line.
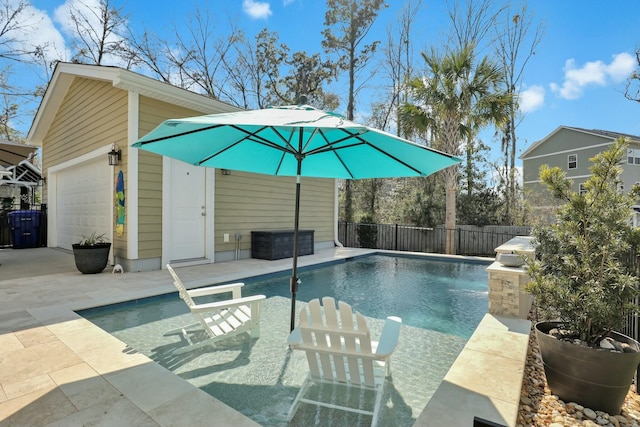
(336,212)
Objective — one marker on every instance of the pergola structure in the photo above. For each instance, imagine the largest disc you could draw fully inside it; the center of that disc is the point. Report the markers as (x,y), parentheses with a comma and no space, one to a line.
(19,176)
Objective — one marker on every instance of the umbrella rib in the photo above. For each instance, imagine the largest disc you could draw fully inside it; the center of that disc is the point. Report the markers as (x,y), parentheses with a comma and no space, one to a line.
(331,147)
(254,137)
(280,163)
(163,138)
(249,136)
(333,150)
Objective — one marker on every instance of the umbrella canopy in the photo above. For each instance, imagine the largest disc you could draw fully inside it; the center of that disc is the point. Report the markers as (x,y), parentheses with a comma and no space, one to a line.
(292,141)
(12,153)
(272,140)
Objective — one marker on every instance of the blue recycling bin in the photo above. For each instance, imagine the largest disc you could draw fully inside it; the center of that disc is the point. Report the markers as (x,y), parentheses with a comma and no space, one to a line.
(25,228)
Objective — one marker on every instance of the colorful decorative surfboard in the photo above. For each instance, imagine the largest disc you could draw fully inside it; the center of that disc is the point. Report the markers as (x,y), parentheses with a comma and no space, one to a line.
(120,204)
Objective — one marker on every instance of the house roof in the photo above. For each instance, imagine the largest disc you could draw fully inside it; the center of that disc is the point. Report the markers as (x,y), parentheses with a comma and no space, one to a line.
(65,72)
(603,133)
(12,153)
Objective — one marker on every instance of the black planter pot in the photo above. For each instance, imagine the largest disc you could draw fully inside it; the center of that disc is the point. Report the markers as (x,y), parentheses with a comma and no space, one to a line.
(596,379)
(91,259)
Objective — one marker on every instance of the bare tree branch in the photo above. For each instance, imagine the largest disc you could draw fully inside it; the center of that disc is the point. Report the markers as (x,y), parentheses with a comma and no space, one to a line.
(632,89)
(98,33)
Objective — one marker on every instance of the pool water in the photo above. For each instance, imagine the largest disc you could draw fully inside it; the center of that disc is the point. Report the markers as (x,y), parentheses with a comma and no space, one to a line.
(444,296)
(440,303)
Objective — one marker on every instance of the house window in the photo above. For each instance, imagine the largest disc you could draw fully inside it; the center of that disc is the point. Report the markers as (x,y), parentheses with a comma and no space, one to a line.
(582,189)
(572,161)
(633,156)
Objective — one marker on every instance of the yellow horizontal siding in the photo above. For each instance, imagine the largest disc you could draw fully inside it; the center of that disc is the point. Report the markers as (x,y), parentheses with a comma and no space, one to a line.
(246,202)
(92,115)
(151,113)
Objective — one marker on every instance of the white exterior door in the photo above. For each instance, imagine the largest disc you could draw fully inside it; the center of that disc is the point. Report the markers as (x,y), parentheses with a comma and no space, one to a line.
(83,200)
(187,212)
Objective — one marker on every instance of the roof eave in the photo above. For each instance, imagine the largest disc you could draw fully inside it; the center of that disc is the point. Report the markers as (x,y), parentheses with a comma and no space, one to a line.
(122,79)
(536,144)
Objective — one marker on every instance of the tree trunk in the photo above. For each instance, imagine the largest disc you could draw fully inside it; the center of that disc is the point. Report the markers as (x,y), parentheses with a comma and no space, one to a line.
(512,168)
(450,176)
(450,138)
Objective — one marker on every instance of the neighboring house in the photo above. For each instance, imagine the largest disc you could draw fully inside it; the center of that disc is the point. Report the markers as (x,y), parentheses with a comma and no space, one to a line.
(174,212)
(570,149)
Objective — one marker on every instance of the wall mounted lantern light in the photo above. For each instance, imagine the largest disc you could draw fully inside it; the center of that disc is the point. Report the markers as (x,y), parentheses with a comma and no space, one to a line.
(115,155)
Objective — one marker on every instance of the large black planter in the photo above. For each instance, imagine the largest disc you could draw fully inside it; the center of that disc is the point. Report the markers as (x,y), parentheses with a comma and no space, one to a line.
(596,379)
(91,259)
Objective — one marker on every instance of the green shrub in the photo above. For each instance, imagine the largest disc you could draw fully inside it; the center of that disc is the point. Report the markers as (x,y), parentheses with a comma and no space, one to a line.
(580,276)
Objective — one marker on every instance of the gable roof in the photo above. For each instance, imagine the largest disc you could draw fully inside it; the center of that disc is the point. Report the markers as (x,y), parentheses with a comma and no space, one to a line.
(12,153)
(66,72)
(603,133)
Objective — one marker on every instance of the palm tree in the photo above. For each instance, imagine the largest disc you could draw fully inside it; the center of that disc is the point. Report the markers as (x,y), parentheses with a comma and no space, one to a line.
(455,98)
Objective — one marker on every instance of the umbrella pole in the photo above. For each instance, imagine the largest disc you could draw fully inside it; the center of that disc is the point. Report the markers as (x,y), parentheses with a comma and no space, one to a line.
(294,272)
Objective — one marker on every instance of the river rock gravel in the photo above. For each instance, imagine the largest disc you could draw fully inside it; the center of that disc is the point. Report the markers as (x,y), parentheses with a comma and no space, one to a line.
(538,407)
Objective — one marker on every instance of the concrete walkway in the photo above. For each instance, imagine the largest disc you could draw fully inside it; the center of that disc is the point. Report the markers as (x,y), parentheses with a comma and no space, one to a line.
(25,263)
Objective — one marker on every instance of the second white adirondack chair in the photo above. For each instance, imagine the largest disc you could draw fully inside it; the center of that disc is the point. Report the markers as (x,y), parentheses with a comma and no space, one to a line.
(339,350)
(220,319)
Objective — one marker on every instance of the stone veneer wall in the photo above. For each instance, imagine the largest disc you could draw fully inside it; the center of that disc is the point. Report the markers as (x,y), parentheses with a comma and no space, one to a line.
(506,292)
(506,284)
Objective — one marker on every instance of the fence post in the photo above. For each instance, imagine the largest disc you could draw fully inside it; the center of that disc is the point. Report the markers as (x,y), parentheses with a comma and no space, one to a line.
(395,246)
(44,232)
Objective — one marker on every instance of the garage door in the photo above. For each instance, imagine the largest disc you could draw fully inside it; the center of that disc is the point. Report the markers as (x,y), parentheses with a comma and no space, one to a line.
(83,199)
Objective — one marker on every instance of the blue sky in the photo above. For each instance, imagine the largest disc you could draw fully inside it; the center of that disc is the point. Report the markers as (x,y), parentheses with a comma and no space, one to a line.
(576,78)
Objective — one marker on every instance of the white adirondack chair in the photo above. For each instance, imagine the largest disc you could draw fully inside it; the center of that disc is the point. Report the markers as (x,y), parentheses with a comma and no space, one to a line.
(220,319)
(339,350)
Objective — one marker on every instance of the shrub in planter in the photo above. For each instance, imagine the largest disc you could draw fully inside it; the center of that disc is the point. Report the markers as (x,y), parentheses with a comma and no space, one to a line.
(580,279)
(91,253)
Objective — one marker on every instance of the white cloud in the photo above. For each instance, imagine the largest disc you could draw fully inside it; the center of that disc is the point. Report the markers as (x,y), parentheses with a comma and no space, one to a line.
(256,9)
(621,67)
(287,2)
(531,99)
(62,14)
(592,73)
(36,29)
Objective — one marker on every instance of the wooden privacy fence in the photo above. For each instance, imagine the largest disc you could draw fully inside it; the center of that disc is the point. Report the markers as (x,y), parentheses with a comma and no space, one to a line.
(469,239)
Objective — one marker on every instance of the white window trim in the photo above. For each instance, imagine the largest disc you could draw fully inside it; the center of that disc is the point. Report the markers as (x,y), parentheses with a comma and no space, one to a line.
(581,188)
(569,161)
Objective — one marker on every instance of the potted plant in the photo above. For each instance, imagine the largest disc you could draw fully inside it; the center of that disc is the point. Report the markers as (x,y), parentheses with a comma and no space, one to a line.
(91,253)
(584,285)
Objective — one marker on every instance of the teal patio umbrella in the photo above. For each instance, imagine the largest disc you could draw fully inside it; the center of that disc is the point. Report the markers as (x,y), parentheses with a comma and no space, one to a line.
(296,140)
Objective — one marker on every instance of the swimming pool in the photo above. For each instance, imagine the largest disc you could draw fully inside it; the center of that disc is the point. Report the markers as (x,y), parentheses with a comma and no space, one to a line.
(440,302)
(444,296)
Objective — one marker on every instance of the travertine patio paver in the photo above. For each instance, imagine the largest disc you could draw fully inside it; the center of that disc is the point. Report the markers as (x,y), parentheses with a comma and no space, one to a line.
(58,369)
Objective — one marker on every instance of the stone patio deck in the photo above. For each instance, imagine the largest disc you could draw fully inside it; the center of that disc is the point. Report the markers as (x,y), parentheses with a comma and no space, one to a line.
(56,368)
